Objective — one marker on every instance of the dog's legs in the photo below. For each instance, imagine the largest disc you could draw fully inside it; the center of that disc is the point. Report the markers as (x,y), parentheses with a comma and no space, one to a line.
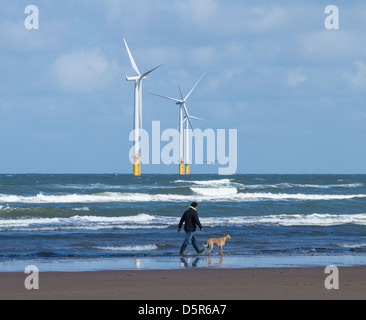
(205,245)
(211,247)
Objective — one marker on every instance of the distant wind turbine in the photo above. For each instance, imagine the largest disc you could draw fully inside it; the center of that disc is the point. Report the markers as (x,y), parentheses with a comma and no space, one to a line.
(183,108)
(137,125)
(187,119)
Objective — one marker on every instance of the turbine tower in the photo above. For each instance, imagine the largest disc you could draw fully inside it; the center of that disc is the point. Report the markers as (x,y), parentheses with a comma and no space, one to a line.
(187,119)
(183,108)
(137,123)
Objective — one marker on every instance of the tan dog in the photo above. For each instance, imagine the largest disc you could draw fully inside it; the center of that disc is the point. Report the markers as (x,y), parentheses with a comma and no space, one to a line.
(219,242)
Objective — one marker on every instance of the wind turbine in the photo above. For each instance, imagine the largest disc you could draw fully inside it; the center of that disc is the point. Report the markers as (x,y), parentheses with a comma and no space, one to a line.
(183,108)
(187,119)
(137,124)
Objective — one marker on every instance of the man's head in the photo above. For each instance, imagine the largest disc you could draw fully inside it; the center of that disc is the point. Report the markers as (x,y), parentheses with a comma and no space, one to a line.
(194,205)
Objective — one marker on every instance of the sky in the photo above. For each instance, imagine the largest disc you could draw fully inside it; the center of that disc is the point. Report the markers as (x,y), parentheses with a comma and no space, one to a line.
(294,90)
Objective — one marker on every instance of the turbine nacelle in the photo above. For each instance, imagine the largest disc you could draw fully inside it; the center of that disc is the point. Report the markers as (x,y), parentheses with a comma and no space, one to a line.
(143,77)
(136,78)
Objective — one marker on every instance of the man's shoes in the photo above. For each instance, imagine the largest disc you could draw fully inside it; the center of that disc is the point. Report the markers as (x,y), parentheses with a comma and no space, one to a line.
(184,246)
(197,249)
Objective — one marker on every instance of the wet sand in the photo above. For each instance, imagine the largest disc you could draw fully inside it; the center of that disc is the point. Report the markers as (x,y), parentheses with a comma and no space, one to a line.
(191,284)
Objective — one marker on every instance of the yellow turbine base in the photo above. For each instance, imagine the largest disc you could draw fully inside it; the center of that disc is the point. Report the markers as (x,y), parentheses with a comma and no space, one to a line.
(137,168)
(188,169)
(181,168)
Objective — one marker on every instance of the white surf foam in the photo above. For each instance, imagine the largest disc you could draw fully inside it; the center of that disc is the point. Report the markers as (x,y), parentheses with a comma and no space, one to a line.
(81,209)
(206,182)
(215,192)
(141,221)
(145,221)
(129,248)
(289,220)
(352,246)
(286,185)
(213,182)
(203,194)
(299,196)
(348,185)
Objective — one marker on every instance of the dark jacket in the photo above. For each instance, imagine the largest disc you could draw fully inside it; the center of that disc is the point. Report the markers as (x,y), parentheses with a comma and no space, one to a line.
(190,219)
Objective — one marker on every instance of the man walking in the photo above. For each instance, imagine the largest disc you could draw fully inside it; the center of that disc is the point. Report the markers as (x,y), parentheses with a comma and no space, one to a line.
(190,220)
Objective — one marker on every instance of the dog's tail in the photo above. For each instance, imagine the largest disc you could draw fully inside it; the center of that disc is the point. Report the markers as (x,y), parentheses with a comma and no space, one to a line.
(205,245)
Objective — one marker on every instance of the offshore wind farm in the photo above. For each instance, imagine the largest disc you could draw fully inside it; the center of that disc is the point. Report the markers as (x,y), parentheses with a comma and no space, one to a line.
(184,117)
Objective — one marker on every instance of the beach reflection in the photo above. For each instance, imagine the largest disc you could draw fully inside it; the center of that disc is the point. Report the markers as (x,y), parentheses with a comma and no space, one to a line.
(205,261)
(214,262)
(188,263)
(138,263)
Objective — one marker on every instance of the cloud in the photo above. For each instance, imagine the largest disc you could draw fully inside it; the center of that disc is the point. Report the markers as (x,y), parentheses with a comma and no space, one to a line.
(84,71)
(199,11)
(330,46)
(127,12)
(214,17)
(16,37)
(224,18)
(205,56)
(357,80)
(295,77)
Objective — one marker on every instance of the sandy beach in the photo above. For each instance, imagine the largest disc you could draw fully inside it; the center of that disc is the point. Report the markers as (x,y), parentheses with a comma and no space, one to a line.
(190,284)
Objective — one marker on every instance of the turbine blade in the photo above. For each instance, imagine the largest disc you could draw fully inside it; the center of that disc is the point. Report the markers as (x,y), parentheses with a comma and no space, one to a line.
(187,115)
(192,117)
(176,100)
(146,73)
(180,92)
(194,86)
(134,66)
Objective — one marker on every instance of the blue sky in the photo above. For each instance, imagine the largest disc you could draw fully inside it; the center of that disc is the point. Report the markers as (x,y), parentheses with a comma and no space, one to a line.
(294,90)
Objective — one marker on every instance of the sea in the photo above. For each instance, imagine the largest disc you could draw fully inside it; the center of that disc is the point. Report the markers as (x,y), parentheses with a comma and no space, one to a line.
(68,222)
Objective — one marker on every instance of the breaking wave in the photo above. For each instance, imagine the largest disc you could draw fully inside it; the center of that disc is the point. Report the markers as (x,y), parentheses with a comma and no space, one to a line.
(215,192)
(129,248)
(352,246)
(146,221)
(286,185)
(201,194)
(206,182)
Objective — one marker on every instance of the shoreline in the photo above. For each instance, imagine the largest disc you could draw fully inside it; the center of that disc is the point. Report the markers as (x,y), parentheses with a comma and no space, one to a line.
(190,277)
(184,262)
(188,284)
